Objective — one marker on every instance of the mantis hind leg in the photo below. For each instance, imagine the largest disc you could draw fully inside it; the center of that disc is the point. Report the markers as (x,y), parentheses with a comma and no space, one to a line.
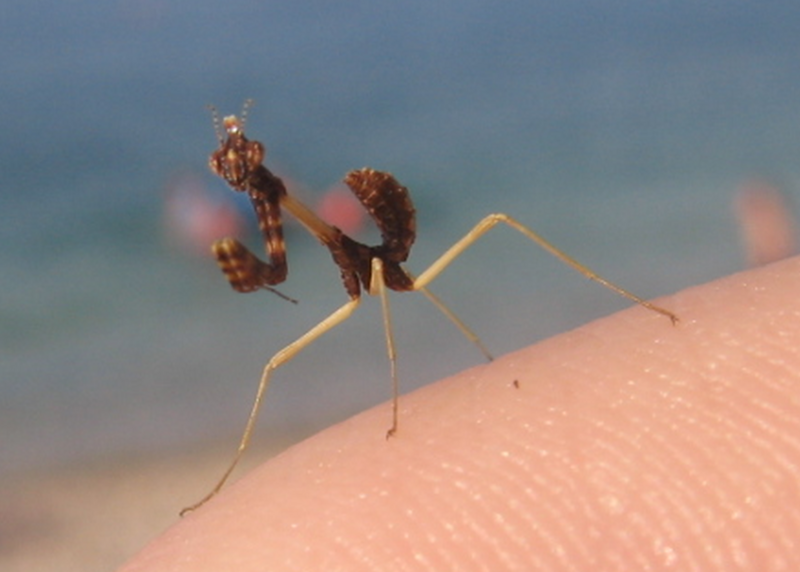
(281,358)
(489,222)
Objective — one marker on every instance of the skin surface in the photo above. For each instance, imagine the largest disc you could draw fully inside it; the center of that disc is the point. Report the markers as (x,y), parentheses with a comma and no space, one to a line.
(629,444)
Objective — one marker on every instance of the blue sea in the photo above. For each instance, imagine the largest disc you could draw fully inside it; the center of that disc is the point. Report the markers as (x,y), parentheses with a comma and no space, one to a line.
(620,130)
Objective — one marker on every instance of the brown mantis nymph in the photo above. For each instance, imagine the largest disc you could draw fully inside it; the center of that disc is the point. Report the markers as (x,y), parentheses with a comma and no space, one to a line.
(239,161)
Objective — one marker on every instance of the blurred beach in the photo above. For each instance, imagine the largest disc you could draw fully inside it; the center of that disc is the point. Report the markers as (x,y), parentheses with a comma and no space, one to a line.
(621,131)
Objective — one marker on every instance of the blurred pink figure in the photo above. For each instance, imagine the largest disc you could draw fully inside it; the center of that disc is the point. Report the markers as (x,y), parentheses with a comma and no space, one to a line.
(339,207)
(766,223)
(194,219)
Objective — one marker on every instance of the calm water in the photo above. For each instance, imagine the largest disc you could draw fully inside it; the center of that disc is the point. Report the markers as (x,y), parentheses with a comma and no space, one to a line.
(620,130)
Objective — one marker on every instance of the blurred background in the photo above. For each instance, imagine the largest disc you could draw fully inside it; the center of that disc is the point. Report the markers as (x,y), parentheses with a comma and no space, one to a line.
(622,131)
